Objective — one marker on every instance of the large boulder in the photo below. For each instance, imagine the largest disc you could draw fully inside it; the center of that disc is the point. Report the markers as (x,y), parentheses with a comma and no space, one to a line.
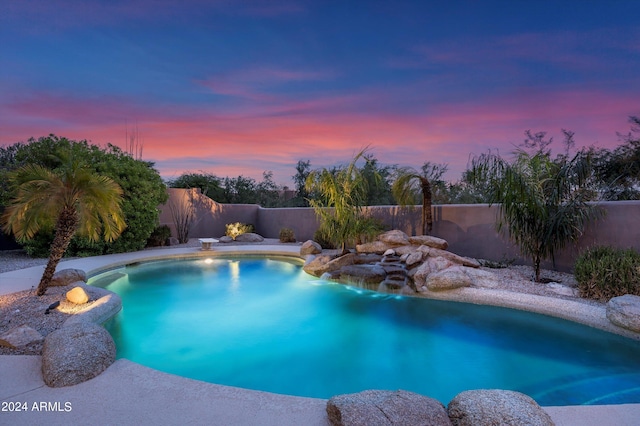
(394,238)
(322,264)
(448,279)
(76,353)
(377,247)
(428,267)
(68,276)
(413,258)
(624,311)
(367,274)
(496,407)
(310,247)
(429,241)
(378,407)
(20,337)
(460,260)
(249,237)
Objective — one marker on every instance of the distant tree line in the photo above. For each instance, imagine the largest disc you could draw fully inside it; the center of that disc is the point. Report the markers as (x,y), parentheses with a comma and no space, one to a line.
(603,174)
(614,175)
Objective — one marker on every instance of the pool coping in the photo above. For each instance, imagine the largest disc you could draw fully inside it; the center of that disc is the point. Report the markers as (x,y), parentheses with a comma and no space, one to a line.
(170,399)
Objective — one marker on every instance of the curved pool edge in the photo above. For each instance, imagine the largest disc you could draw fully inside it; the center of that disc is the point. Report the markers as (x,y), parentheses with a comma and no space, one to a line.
(572,310)
(171,399)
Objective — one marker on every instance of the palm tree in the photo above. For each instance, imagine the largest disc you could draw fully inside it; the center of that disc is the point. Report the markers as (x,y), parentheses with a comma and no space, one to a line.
(543,203)
(72,199)
(341,195)
(407,183)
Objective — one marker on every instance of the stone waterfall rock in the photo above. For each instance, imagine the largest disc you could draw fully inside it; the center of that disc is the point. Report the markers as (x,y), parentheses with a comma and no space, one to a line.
(366,274)
(496,407)
(394,238)
(310,247)
(448,279)
(379,408)
(429,241)
(323,264)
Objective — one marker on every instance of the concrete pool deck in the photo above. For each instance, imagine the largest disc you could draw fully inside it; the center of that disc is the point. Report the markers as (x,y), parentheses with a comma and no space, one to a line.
(129,393)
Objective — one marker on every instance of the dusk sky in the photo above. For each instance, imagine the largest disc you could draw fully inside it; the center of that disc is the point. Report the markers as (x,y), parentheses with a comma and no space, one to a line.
(238,87)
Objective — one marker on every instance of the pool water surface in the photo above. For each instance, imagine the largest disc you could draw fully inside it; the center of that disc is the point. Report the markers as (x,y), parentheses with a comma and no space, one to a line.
(264,324)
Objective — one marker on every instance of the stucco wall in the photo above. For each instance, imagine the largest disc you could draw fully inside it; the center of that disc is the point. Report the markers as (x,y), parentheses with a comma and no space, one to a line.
(469,229)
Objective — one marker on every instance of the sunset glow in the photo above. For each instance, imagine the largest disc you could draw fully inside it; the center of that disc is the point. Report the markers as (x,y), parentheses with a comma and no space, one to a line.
(242,87)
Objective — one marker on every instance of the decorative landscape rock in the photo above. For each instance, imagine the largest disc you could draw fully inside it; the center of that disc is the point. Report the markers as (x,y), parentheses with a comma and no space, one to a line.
(413,258)
(379,407)
(624,311)
(310,247)
(20,337)
(77,295)
(496,407)
(76,353)
(448,279)
(249,237)
(367,274)
(68,276)
(378,247)
(323,264)
(394,238)
(429,241)
(173,241)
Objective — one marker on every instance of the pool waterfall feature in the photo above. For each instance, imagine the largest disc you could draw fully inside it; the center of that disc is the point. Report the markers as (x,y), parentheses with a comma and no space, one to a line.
(280,333)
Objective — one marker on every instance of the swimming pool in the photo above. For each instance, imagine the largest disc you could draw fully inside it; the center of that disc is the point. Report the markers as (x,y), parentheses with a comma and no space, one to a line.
(263,323)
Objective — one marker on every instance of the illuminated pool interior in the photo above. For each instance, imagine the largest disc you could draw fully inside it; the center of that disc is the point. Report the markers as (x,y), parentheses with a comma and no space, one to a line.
(263,323)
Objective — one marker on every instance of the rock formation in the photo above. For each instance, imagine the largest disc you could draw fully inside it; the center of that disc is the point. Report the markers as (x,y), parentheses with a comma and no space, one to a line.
(402,264)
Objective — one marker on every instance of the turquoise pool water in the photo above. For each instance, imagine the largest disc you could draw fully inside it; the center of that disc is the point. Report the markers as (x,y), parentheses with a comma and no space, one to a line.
(265,324)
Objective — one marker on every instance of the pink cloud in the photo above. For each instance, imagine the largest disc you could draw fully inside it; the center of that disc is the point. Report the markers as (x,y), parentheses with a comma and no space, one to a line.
(258,83)
(326,130)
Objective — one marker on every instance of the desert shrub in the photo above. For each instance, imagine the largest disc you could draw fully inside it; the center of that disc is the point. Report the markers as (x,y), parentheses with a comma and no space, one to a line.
(159,236)
(606,272)
(287,235)
(238,228)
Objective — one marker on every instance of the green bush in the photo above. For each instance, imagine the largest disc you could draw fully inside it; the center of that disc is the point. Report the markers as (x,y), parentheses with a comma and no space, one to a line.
(287,235)
(143,189)
(238,228)
(159,236)
(606,272)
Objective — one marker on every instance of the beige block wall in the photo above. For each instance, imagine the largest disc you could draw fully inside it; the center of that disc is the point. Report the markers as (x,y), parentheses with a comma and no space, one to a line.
(469,229)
